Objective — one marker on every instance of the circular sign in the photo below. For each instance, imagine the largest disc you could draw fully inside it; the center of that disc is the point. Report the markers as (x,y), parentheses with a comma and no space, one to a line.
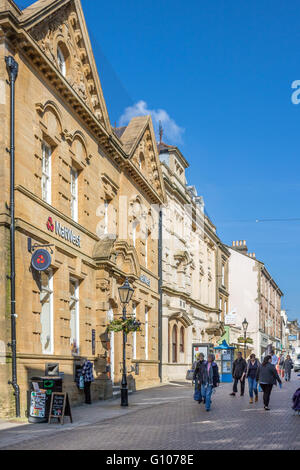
(41,260)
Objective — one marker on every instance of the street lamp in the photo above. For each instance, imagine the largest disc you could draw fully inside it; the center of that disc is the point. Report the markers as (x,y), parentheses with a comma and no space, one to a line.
(245,326)
(125,293)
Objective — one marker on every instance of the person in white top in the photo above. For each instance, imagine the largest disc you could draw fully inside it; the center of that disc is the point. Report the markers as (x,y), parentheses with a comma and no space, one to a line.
(274,358)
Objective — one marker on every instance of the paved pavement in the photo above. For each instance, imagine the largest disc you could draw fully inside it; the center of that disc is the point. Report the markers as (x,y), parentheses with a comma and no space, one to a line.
(167,418)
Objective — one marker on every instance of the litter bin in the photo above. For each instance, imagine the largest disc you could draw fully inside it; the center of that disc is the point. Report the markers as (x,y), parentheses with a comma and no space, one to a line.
(40,400)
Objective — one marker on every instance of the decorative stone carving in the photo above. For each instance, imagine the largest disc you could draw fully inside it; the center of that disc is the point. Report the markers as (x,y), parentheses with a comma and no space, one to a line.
(60,27)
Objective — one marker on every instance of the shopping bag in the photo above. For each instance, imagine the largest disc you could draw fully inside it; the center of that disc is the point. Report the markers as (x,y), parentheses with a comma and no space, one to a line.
(81,382)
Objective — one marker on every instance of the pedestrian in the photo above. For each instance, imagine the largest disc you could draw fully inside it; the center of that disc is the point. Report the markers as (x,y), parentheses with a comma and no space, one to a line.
(280,365)
(87,373)
(198,377)
(250,374)
(238,373)
(287,367)
(210,379)
(267,376)
(274,358)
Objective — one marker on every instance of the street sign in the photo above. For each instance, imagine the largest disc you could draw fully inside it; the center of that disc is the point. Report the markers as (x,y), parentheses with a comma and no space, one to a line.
(41,260)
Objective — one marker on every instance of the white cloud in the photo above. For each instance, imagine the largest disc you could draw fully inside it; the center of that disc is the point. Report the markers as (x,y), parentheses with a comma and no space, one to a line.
(172,132)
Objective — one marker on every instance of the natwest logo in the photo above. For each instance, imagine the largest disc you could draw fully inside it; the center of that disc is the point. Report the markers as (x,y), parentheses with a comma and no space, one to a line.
(50,224)
(63,232)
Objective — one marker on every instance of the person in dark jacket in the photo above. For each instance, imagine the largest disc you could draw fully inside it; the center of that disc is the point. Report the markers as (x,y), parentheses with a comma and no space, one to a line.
(250,374)
(287,367)
(198,377)
(267,376)
(210,379)
(238,373)
(87,373)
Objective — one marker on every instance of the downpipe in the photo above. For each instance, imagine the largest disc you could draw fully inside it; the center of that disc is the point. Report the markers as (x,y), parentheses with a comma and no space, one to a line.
(12,69)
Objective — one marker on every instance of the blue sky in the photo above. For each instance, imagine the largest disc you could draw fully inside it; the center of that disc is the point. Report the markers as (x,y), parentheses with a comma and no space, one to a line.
(220,74)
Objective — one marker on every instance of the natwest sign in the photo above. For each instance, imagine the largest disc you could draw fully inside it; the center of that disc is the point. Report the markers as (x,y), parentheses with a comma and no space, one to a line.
(63,232)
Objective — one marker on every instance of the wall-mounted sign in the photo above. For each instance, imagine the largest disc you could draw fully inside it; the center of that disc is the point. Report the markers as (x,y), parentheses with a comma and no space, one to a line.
(292,337)
(231,318)
(63,232)
(41,260)
(145,280)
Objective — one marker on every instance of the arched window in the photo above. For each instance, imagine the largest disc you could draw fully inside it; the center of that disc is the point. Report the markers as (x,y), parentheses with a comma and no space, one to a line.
(61,60)
(141,161)
(182,339)
(174,344)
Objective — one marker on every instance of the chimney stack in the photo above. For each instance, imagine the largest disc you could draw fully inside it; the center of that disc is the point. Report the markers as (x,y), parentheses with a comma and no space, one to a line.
(240,245)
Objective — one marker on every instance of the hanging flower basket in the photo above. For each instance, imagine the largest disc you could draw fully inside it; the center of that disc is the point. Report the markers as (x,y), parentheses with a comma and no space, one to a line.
(128,325)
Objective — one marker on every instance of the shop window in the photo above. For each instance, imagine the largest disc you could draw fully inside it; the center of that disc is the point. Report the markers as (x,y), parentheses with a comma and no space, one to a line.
(46,173)
(74,316)
(74,194)
(174,344)
(46,298)
(182,339)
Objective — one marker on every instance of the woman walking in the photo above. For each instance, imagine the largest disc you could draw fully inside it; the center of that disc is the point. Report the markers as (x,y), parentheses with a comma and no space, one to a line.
(287,367)
(250,374)
(210,379)
(267,376)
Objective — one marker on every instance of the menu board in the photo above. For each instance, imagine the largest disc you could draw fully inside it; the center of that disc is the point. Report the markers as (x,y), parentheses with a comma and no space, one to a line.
(60,407)
(38,404)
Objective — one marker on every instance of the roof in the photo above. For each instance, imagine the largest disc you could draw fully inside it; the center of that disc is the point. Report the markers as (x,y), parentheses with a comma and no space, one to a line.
(119,131)
(133,131)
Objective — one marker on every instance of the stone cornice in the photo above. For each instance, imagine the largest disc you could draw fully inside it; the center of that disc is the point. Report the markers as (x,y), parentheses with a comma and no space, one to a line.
(191,301)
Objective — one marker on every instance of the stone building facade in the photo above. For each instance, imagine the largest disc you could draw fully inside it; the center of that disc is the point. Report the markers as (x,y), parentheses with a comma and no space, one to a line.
(254,295)
(84,188)
(195,270)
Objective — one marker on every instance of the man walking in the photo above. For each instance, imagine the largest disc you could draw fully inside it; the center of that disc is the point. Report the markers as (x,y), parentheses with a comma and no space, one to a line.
(198,377)
(239,369)
(210,379)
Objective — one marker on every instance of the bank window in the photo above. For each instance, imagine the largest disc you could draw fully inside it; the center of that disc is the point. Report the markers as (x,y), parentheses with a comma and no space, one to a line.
(174,344)
(106,206)
(46,173)
(74,194)
(147,248)
(146,333)
(223,275)
(74,316)
(134,333)
(135,224)
(46,299)
(182,339)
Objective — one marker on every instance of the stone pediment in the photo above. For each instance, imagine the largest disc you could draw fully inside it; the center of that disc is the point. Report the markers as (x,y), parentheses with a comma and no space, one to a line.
(63,28)
(139,143)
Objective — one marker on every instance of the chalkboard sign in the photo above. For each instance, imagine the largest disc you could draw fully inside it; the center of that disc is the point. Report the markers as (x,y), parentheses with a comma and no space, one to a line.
(60,407)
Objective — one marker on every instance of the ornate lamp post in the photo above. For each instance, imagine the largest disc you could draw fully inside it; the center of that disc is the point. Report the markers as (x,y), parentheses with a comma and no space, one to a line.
(245,326)
(125,293)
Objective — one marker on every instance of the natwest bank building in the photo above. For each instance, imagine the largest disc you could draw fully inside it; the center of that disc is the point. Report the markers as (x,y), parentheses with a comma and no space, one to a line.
(84,193)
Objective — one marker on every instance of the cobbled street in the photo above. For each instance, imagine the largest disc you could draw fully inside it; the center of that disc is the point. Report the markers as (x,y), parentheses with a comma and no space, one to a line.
(168,418)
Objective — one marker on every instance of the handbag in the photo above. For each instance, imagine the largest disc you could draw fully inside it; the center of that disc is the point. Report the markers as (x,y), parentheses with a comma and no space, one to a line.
(190,374)
(81,382)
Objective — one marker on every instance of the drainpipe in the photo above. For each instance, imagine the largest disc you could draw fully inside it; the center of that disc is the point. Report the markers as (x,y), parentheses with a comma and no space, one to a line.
(12,68)
(160,294)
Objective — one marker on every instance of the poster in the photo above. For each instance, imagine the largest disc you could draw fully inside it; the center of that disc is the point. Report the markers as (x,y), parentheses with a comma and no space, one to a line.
(38,404)
(199,349)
